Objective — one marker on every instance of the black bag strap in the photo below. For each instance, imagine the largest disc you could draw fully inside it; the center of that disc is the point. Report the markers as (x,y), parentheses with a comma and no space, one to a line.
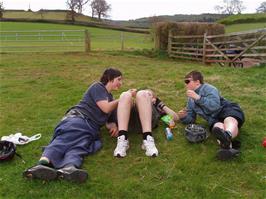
(17,154)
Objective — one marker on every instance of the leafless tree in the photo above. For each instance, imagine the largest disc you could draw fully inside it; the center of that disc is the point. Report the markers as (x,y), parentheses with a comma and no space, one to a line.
(155,19)
(230,7)
(238,5)
(1,9)
(41,12)
(262,8)
(100,8)
(80,4)
(218,9)
(72,5)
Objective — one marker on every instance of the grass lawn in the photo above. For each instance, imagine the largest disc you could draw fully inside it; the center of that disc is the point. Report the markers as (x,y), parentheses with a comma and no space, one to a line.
(36,90)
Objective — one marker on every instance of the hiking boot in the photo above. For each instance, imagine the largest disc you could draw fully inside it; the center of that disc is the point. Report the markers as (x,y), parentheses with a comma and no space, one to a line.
(72,174)
(40,172)
(150,147)
(121,147)
(227,154)
(223,138)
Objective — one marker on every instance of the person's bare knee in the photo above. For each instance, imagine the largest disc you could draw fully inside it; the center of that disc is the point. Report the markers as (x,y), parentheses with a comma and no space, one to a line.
(219,125)
(125,97)
(231,124)
(231,120)
(143,95)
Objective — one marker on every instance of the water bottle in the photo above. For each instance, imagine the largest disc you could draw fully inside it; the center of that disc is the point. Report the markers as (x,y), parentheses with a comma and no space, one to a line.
(168,133)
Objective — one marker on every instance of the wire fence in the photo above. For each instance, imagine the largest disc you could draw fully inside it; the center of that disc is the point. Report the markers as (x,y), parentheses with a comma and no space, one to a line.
(70,41)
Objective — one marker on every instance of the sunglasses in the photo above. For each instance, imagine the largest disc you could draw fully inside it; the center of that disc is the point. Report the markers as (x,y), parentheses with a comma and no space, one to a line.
(187,81)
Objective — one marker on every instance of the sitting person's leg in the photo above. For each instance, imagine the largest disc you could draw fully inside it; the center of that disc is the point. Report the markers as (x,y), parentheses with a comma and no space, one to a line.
(225,132)
(232,117)
(144,105)
(223,137)
(231,125)
(123,114)
(123,110)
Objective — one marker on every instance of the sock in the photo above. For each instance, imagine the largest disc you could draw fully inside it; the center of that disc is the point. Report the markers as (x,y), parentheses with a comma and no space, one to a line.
(123,132)
(44,162)
(145,134)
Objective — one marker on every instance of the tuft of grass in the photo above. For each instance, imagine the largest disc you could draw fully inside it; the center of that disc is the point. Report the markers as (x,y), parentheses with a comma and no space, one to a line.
(37,89)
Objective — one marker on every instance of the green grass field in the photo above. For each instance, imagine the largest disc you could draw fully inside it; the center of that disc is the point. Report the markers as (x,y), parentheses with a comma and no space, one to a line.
(101,39)
(244,18)
(36,90)
(244,27)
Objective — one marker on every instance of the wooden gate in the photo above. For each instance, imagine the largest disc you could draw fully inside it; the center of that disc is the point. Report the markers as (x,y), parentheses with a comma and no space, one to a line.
(223,49)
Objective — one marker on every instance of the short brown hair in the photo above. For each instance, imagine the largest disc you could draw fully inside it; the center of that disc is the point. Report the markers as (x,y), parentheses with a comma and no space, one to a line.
(195,75)
(109,74)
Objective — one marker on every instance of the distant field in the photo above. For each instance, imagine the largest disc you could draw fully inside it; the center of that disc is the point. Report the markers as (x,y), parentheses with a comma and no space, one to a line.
(244,27)
(244,18)
(50,15)
(101,39)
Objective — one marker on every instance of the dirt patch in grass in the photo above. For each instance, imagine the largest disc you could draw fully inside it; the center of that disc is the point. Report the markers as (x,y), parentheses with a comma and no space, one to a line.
(250,62)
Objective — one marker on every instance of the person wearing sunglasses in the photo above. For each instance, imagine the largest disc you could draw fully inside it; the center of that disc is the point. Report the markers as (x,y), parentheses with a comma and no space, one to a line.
(224,117)
(78,133)
(139,111)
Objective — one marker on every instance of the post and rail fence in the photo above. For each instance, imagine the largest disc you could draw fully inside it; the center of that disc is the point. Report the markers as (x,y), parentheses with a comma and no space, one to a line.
(70,41)
(224,49)
(45,41)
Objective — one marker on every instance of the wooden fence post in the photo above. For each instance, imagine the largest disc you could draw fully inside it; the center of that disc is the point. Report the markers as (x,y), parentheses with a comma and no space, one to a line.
(156,40)
(204,48)
(87,41)
(169,47)
(122,40)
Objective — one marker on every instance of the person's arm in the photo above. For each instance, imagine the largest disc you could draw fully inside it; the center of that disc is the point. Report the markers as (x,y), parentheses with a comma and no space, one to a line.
(163,109)
(187,115)
(112,128)
(170,112)
(106,106)
(208,99)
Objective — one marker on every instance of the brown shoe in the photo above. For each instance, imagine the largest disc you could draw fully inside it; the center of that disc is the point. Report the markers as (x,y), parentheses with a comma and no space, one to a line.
(40,172)
(72,174)
(227,154)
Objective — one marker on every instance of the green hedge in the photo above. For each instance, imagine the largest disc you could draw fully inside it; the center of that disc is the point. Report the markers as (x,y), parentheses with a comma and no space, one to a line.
(244,18)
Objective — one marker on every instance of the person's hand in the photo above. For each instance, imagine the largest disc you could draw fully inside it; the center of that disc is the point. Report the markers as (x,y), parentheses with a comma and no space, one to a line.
(192,94)
(112,128)
(133,92)
(182,113)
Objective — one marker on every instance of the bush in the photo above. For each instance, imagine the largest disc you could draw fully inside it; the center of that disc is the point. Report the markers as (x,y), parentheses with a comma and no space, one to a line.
(161,31)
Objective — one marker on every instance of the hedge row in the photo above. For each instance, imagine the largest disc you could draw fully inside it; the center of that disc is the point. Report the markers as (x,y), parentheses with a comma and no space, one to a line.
(161,31)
